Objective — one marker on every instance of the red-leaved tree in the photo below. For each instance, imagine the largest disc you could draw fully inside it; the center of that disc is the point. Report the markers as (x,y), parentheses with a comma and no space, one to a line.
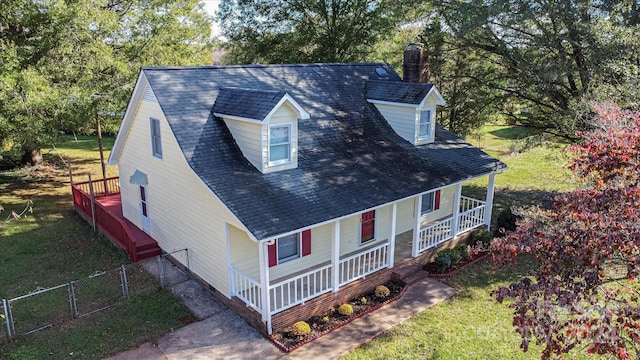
(585,294)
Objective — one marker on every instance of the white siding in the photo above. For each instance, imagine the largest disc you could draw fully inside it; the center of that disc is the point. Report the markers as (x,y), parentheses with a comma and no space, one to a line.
(183,212)
(404,216)
(244,253)
(402,119)
(350,231)
(248,136)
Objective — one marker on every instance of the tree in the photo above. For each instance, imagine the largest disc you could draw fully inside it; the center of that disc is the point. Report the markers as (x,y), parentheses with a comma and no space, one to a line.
(585,293)
(455,70)
(550,55)
(56,54)
(303,31)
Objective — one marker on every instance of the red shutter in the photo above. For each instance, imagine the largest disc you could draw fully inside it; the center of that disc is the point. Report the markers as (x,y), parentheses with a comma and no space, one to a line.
(306,242)
(368,225)
(273,254)
(436,200)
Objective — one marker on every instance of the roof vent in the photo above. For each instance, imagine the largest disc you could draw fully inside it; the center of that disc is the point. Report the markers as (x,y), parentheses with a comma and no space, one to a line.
(382,73)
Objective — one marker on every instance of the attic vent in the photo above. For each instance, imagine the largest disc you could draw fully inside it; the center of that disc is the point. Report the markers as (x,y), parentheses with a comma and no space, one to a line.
(382,73)
(148,95)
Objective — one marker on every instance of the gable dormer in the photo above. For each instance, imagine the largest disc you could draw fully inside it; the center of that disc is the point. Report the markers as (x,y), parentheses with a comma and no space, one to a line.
(264,124)
(410,108)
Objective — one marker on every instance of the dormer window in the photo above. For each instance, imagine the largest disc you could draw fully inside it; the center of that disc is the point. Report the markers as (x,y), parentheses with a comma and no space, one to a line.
(264,124)
(424,124)
(279,144)
(409,108)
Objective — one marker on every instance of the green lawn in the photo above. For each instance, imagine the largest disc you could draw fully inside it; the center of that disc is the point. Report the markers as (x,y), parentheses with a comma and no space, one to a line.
(472,325)
(54,245)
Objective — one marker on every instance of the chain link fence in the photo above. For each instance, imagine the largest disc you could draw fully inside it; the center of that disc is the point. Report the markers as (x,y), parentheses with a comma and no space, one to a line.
(45,307)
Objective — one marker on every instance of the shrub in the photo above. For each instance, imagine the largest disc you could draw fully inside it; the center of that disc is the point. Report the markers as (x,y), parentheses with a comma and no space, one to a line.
(443,260)
(300,329)
(345,309)
(363,300)
(325,319)
(462,251)
(382,291)
(482,236)
(506,221)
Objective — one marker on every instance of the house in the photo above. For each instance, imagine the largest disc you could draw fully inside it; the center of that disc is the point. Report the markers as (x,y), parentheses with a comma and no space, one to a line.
(294,187)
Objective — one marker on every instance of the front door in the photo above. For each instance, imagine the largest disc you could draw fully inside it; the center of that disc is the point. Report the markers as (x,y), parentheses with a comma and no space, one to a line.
(144,209)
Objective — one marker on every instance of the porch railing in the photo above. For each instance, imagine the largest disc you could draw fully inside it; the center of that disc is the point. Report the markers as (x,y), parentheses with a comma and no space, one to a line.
(471,215)
(297,290)
(435,234)
(247,289)
(107,222)
(101,187)
(363,264)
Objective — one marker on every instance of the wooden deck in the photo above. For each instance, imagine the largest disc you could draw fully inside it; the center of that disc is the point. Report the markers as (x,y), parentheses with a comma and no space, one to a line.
(109,219)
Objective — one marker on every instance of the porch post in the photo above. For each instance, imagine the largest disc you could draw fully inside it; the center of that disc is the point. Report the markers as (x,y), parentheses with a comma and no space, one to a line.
(455,225)
(93,203)
(392,233)
(489,204)
(263,255)
(230,275)
(417,213)
(335,256)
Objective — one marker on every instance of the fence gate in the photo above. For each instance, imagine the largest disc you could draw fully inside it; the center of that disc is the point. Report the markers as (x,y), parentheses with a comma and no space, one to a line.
(43,308)
(40,309)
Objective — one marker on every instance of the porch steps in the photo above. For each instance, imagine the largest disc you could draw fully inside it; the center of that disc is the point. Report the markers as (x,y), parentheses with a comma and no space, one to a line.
(409,271)
(146,251)
(146,246)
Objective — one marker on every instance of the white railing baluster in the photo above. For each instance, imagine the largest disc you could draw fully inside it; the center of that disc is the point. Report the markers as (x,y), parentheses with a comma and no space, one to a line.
(367,262)
(471,216)
(248,290)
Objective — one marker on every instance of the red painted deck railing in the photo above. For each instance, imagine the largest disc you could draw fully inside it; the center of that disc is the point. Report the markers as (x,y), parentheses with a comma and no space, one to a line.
(110,224)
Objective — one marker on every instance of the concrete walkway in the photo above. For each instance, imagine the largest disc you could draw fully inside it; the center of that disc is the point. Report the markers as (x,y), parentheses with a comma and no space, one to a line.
(224,335)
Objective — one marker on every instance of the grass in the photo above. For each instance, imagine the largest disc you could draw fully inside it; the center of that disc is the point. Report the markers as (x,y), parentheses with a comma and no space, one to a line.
(53,245)
(472,325)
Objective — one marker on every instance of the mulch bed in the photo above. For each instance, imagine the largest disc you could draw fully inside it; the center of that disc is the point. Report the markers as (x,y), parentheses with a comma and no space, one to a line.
(326,323)
(435,272)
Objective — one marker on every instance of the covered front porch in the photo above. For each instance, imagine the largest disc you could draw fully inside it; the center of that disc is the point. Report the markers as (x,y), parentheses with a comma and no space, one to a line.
(336,263)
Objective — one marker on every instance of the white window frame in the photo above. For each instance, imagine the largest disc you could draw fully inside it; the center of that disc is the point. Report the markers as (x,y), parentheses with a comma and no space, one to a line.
(373,239)
(430,123)
(156,140)
(290,143)
(298,255)
(433,203)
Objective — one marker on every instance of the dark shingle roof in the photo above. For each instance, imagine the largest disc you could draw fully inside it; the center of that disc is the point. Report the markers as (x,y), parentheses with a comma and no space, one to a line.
(349,158)
(397,91)
(247,103)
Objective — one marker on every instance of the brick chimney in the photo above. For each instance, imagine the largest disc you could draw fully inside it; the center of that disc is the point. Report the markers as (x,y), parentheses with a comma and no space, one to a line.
(415,64)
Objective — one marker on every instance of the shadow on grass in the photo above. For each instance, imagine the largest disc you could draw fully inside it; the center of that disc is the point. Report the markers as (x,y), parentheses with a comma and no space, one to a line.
(512,133)
(485,274)
(506,197)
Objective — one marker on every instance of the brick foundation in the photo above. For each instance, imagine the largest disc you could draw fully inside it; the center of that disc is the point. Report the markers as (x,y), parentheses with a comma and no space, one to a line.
(327,302)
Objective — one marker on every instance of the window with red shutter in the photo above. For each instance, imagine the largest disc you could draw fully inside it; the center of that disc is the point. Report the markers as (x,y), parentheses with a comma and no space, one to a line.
(367,226)
(290,247)
(430,202)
